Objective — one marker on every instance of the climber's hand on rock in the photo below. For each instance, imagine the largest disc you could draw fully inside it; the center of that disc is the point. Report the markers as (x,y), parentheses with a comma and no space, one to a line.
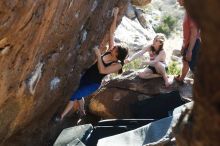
(97,51)
(115,11)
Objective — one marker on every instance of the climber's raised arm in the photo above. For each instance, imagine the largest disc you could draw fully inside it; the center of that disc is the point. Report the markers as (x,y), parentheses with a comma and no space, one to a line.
(112,28)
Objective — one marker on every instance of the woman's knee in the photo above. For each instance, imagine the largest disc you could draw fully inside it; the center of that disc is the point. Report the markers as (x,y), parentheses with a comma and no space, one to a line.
(159,66)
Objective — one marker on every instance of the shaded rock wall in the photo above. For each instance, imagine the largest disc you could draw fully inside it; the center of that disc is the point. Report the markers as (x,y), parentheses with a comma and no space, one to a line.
(203,127)
(44,47)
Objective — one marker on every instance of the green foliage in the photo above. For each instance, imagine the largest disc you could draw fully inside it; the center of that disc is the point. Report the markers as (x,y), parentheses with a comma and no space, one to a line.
(173,68)
(167,25)
(163,28)
(135,65)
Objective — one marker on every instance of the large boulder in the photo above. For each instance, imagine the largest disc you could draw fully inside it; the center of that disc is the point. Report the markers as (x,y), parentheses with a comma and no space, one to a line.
(136,37)
(130,13)
(44,47)
(135,12)
(115,98)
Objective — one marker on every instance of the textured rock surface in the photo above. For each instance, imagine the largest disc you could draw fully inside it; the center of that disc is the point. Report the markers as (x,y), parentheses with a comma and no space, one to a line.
(114,100)
(140,2)
(136,37)
(203,126)
(44,47)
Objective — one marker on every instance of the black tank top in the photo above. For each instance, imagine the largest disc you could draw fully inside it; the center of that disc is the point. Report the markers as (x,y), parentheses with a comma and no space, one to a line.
(92,75)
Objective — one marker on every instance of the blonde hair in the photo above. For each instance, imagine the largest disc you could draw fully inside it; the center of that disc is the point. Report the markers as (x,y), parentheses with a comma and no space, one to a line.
(161,37)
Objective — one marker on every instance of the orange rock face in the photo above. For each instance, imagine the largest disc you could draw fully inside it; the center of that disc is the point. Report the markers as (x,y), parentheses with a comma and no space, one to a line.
(140,2)
(44,47)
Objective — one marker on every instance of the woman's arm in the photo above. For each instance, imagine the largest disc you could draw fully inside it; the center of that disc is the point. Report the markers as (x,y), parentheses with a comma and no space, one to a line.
(112,28)
(160,57)
(138,54)
(193,37)
(115,67)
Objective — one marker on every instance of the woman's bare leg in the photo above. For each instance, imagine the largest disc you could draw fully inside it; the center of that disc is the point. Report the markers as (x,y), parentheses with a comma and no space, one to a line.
(160,68)
(67,109)
(81,107)
(184,71)
(145,73)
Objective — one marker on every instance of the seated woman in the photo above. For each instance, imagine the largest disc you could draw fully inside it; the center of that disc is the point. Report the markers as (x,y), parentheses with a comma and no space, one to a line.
(110,62)
(156,64)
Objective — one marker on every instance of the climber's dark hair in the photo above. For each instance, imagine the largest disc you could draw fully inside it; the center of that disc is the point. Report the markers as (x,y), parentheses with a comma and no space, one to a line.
(122,54)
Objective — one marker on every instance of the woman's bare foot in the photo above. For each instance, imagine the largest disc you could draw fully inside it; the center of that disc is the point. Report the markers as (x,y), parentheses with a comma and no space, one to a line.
(167,84)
